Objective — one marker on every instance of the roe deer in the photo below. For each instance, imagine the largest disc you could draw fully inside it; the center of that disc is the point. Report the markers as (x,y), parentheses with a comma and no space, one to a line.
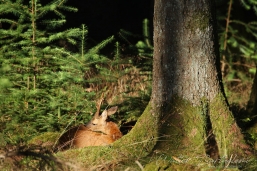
(98,132)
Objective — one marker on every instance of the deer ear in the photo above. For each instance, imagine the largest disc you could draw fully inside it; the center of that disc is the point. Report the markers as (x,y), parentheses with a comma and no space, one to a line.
(104,115)
(112,110)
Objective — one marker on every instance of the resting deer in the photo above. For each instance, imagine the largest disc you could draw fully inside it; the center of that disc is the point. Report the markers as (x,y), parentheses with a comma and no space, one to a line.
(98,132)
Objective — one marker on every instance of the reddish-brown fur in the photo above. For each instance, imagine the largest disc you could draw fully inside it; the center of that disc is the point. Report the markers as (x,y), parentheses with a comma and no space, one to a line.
(98,132)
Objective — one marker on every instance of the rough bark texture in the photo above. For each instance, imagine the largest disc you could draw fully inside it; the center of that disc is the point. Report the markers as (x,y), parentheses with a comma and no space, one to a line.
(187,92)
(184,57)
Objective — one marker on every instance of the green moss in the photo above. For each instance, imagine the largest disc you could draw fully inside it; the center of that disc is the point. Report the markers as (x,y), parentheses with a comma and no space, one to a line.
(45,139)
(182,130)
(143,137)
(228,135)
(199,20)
(157,165)
(166,165)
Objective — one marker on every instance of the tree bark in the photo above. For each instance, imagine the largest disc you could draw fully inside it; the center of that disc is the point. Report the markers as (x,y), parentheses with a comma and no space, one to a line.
(187,92)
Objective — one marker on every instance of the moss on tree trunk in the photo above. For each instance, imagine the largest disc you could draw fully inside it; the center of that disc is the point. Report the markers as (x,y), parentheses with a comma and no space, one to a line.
(182,129)
(230,140)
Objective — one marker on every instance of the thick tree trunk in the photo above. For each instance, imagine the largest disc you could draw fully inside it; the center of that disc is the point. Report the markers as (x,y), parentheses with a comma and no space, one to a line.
(187,93)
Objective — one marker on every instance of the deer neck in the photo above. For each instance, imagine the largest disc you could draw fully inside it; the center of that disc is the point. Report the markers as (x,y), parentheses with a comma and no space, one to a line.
(113,131)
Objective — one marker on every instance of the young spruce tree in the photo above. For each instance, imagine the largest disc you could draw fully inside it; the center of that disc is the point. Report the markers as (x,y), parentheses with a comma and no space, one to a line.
(41,83)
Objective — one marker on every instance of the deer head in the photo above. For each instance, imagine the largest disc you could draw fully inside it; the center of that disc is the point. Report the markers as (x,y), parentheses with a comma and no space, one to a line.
(99,122)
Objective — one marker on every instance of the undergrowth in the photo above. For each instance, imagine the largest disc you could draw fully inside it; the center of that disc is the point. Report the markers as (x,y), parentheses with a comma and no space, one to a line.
(50,80)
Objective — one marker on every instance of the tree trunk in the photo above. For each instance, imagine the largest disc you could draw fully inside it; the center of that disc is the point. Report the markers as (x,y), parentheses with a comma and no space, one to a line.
(187,93)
